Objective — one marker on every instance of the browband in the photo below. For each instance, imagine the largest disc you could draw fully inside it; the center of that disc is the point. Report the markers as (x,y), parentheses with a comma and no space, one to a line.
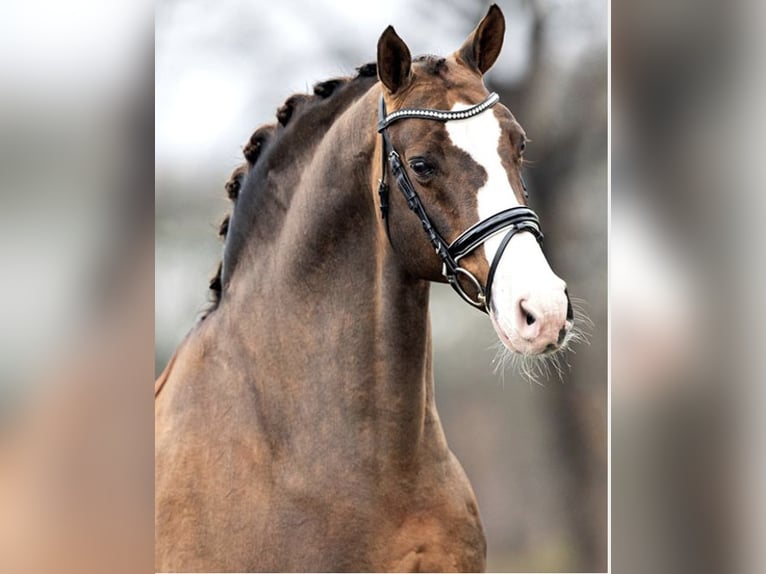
(438,115)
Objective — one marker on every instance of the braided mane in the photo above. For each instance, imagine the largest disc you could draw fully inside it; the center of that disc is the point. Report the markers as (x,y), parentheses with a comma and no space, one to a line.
(329,99)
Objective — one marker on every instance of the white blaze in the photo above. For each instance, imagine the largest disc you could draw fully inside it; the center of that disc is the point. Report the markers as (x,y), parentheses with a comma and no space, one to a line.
(479,137)
(523,271)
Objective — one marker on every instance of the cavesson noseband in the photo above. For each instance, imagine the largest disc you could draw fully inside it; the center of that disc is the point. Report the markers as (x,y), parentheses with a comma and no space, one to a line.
(512,220)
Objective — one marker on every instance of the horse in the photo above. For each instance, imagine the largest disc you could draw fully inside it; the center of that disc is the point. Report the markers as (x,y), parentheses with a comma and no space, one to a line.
(296,427)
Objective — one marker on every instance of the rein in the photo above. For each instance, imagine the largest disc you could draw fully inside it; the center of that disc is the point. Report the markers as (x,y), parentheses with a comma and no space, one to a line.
(512,220)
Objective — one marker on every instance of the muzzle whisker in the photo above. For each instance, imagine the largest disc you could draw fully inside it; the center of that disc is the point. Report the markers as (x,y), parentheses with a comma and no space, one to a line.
(537,368)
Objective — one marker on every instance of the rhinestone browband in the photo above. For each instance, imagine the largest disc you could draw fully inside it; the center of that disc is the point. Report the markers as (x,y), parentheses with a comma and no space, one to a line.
(439,115)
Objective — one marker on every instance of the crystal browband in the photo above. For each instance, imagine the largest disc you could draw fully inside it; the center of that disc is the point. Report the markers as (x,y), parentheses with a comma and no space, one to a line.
(440,115)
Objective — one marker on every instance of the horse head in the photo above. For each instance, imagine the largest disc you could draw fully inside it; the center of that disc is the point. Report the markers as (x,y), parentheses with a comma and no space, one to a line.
(461,172)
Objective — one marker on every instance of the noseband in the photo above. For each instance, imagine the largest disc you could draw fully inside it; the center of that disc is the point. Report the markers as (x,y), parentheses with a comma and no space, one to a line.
(512,220)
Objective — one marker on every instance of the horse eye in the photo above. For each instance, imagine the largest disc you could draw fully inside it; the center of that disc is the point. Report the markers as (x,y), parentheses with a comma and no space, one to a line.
(421,167)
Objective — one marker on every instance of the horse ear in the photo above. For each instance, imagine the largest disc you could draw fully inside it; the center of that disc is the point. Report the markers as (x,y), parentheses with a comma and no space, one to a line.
(483,46)
(394,60)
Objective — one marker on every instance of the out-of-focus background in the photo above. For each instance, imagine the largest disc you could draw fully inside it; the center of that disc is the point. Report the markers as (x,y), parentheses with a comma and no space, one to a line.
(76,262)
(686,297)
(536,453)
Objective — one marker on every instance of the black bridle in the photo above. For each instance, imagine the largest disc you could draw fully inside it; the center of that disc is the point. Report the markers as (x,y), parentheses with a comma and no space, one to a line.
(513,220)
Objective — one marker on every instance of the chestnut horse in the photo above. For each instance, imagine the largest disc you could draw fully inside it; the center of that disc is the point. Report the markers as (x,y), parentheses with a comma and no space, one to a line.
(296,428)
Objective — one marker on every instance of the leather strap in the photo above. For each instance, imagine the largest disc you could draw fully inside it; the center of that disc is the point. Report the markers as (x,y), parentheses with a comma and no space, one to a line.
(478,233)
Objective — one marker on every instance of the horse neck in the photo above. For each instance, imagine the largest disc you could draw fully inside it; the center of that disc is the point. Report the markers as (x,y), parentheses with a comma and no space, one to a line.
(335,333)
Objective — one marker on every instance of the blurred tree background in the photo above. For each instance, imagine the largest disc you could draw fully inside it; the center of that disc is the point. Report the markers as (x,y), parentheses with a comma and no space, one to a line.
(536,453)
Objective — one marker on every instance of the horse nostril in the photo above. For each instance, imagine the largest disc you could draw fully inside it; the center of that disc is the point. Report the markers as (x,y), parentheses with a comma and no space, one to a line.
(570,311)
(562,335)
(529,317)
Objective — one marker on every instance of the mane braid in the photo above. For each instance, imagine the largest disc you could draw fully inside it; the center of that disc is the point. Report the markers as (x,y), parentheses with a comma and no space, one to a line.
(266,148)
(254,146)
(327,88)
(294,102)
(223,229)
